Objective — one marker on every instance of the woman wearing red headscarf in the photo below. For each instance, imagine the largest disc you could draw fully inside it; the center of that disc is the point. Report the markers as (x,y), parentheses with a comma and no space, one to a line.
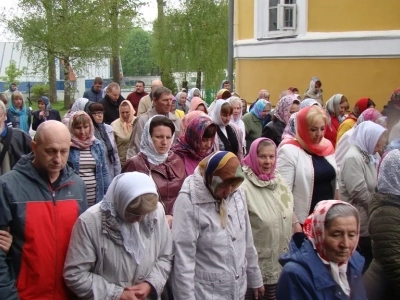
(322,262)
(307,163)
(358,109)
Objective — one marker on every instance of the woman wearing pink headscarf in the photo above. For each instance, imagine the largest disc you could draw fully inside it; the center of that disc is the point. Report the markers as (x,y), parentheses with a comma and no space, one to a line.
(270,206)
(189,117)
(286,106)
(322,262)
(198,104)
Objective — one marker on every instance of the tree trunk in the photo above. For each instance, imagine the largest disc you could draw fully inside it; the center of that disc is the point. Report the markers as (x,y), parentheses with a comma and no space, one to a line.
(160,11)
(51,64)
(115,44)
(67,83)
(198,80)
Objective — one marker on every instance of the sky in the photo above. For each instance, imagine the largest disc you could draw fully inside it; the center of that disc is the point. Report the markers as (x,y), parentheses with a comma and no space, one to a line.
(149,14)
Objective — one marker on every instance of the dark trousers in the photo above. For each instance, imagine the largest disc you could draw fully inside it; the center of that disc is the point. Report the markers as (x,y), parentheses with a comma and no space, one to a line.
(365,249)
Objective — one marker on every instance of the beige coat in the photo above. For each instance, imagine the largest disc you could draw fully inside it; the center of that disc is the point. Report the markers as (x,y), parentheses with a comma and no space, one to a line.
(121,138)
(145,104)
(270,205)
(97,268)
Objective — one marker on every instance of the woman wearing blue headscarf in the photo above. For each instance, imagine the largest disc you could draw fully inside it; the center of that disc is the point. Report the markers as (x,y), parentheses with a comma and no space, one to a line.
(44,113)
(254,121)
(18,114)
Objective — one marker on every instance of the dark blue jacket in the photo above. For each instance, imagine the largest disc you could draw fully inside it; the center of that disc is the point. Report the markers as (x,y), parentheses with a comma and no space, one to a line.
(92,95)
(305,277)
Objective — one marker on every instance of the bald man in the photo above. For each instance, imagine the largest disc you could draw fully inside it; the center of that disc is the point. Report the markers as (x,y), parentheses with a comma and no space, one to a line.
(145,104)
(40,200)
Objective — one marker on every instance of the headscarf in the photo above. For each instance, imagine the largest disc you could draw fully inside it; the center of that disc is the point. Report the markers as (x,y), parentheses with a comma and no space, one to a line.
(314,229)
(21,113)
(127,125)
(46,101)
(191,94)
(100,133)
(189,143)
(324,148)
(372,114)
(366,136)
(290,128)
(308,102)
(332,106)
(184,107)
(237,100)
(147,146)
(258,108)
(282,109)
(360,106)
(125,188)
(394,144)
(196,101)
(251,160)
(189,117)
(221,92)
(215,114)
(310,93)
(75,142)
(395,96)
(389,175)
(79,104)
(218,168)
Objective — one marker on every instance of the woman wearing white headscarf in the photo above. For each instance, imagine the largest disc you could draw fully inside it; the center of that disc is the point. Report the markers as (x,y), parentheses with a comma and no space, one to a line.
(79,105)
(236,118)
(155,159)
(121,248)
(357,179)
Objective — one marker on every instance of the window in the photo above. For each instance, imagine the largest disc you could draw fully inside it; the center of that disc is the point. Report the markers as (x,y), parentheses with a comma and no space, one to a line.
(276,18)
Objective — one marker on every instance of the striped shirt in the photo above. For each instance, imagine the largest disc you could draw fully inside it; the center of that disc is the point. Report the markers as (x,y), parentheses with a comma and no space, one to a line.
(87,171)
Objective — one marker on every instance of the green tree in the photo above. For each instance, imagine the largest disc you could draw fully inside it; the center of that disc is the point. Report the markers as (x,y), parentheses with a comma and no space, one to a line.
(12,73)
(194,38)
(168,81)
(136,53)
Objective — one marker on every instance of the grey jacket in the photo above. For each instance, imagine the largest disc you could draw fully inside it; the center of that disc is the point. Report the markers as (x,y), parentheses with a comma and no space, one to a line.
(97,268)
(212,262)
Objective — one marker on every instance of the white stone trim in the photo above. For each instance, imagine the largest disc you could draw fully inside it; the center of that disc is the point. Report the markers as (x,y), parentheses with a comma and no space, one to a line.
(320,44)
(261,20)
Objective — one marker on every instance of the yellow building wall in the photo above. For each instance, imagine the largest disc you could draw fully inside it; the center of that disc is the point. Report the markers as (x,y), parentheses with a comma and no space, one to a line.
(355,15)
(355,78)
(244,19)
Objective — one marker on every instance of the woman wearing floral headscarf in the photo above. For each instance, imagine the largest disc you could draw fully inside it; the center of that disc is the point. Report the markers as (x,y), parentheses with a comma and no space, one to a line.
(155,159)
(270,205)
(123,129)
(392,109)
(286,106)
(229,136)
(189,117)
(342,147)
(253,121)
(196,143)
(87,157)
(382,279)
(307,163)
(121,248)
(322,262)
(309,102)
(360,106)
(44,113)
(214,253)
(357,179)
(334,107)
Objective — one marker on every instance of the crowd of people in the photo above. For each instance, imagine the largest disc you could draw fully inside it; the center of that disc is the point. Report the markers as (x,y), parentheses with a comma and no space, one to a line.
(167,197)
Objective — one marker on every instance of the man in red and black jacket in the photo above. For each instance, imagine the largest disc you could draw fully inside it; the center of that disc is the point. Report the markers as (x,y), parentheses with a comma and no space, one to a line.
(40,200)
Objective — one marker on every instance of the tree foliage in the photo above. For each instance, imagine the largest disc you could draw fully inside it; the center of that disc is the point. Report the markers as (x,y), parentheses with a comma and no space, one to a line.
(12,73)
(193,38)
(168,81)
(136,53)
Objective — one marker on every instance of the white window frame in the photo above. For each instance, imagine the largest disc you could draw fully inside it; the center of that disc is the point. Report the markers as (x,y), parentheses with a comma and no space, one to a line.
(261,20)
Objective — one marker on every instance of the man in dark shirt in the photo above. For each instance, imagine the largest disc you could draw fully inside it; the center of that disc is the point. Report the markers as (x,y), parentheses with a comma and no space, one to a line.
(111,102)
(139,93)
(96,92)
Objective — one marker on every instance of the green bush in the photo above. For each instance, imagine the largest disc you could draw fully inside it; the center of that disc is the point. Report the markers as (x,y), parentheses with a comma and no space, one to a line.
(168,81)
(39,90)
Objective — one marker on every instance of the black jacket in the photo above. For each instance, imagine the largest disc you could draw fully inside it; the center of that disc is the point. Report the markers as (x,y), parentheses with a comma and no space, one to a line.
(53,115)
(111,109)
(274,130)
(20,145)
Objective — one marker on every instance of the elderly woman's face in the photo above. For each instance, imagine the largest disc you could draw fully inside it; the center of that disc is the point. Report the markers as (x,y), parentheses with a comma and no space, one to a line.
(317,131)
(162,138)
(341,239)
(237,107)
(381,144)
(266,158)
(225,189)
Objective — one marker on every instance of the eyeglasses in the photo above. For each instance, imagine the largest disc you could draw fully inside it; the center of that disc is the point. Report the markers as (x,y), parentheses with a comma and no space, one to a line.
(98,113)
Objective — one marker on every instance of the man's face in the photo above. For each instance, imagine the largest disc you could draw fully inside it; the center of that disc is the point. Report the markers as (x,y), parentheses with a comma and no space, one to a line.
(97,86)
(51,154)
(227,86)
(13,87)
(163,104)
(114,94)
(139,88)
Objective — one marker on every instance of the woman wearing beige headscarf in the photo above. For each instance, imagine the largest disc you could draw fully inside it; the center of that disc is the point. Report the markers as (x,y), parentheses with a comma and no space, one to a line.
(123,129)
